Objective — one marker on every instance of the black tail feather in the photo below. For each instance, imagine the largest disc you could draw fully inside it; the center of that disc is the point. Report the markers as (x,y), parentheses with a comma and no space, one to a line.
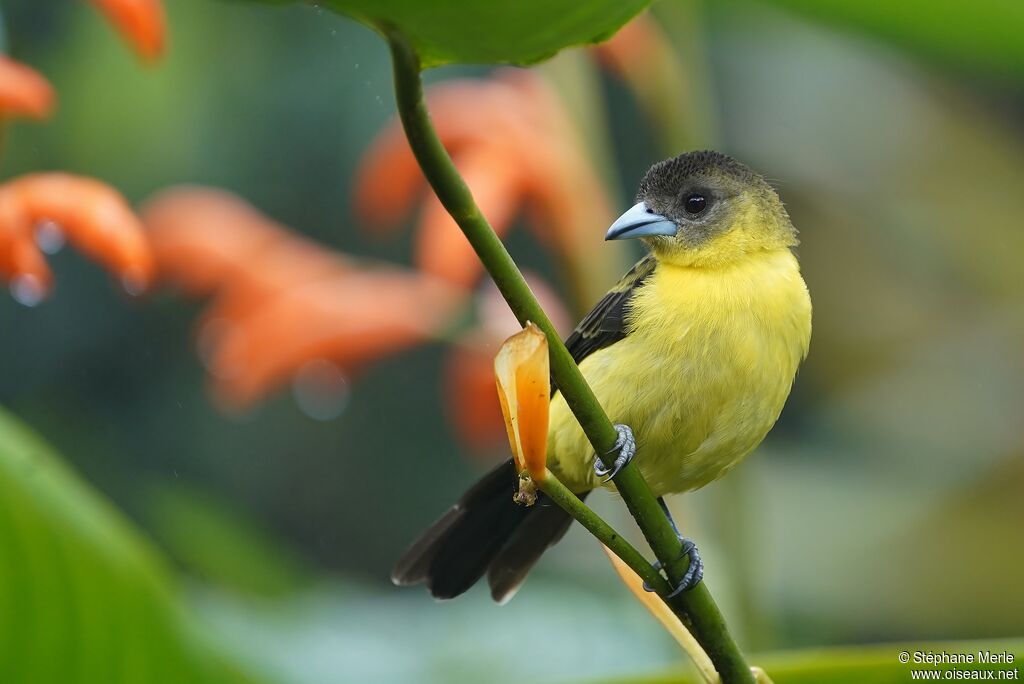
(485,531)
(545,525)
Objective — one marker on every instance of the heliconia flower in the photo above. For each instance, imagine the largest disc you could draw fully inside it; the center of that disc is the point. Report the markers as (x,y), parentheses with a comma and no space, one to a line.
(95,218)
(141,22)
(281,301)
(523,376)
(23,91)
(516,148)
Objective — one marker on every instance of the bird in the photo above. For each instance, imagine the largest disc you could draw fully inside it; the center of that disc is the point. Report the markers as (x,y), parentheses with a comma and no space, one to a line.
(692,354)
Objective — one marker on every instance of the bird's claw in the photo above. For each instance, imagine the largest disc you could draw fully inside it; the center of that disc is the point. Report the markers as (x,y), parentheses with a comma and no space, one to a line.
(694,573)
(625,447)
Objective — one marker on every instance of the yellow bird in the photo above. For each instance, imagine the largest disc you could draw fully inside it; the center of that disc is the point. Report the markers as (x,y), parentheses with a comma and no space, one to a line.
(692,354)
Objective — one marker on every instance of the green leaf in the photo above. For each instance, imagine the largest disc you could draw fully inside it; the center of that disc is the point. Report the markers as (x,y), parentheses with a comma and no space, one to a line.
(85,598)
(221,545)
(985,34)
(486,31)
(857,665)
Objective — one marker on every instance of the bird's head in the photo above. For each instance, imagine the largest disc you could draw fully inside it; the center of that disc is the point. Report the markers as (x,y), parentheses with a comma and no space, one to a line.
(705,209)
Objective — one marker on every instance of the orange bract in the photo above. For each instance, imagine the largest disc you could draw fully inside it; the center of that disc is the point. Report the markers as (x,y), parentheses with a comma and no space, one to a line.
(140,21)
(281,300)
(516,149)
(95,217)
(23,91)
(524,390)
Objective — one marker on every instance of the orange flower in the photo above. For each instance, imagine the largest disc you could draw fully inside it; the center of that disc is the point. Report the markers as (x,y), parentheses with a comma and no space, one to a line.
(141,22)
(282,301)
(352,318)
(516,148)
(209,240)
(23,91)
(524,390)
(95,217)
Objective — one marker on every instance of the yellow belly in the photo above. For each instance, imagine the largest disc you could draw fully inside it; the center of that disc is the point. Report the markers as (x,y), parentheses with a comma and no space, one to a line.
(702,375)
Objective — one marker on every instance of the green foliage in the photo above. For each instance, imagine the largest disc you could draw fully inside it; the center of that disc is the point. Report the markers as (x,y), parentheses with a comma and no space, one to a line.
(220,545)
(485,32)
(984,35)
(85,598)
(866,665)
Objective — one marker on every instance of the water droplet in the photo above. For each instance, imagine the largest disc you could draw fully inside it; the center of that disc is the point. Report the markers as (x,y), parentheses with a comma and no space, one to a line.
(49,237)
(321,390)
(27,289)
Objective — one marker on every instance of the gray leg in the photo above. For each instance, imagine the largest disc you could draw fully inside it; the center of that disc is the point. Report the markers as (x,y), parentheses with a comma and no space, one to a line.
(695,571)
(625,450)
(668,514)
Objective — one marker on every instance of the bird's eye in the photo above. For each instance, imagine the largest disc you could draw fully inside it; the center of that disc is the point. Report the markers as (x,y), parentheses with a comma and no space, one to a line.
(695,204)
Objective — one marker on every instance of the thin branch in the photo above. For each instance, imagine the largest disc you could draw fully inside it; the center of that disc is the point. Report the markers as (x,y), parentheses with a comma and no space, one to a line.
(604,532)
(696,607)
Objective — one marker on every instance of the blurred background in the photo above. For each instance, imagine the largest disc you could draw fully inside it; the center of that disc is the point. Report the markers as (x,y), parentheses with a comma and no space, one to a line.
(277,468)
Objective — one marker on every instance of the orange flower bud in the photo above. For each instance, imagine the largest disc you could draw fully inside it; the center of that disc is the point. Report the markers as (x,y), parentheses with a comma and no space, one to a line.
(23,91)
(524,389)
(93,215)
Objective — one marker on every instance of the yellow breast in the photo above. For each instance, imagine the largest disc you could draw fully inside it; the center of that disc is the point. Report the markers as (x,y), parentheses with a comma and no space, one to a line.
(702,375)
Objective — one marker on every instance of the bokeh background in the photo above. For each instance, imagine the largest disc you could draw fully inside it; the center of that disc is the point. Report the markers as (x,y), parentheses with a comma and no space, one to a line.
(888,503)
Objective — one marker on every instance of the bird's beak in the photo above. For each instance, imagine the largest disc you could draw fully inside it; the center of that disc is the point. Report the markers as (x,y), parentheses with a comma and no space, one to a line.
(640,221)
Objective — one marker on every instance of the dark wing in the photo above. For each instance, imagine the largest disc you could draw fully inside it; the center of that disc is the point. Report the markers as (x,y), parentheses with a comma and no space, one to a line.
(606,323)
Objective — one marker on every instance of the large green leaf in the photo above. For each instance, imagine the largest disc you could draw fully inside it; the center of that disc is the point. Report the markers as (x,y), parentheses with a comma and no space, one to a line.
(84,598)
(984,34)
(489,31)
(865,665)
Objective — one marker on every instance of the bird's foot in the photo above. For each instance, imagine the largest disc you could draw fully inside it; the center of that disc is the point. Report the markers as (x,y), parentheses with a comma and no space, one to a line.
(625,449)
(694,573)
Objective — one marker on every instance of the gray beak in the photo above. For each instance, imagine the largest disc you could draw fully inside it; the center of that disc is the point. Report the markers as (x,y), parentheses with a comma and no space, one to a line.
(640,221)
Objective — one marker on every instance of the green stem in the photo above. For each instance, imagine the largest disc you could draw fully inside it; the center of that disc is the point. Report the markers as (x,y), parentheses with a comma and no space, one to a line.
(604,532)
(704,618)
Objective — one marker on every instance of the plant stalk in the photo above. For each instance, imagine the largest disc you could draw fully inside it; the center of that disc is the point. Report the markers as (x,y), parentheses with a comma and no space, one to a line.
(604,532)
(696,607)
